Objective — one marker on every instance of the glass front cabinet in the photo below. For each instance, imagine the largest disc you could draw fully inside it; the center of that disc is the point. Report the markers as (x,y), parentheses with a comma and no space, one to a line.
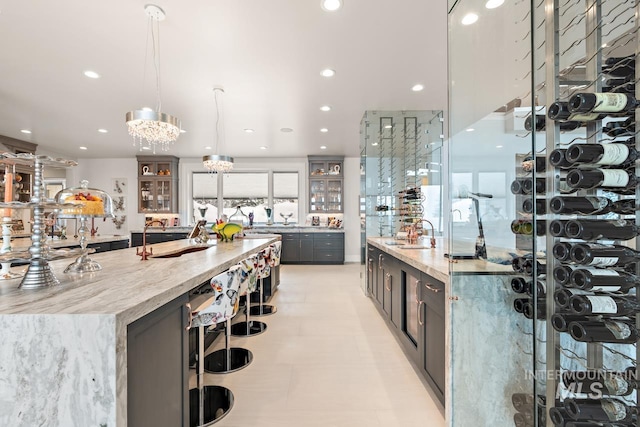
(157,184)
(325,184)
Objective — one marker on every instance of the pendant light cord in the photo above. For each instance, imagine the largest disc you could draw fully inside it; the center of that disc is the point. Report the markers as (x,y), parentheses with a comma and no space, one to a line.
(155,37)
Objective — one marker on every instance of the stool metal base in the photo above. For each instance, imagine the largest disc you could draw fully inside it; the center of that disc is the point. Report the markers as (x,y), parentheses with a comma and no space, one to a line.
(262,310)
(216,362)
(217,402)
(241,329)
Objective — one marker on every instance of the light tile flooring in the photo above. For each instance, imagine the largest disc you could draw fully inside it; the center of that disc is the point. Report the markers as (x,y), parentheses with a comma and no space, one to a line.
(327,359)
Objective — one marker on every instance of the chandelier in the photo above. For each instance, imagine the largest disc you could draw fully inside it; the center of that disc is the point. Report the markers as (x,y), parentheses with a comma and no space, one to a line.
(146,126)
(215,162)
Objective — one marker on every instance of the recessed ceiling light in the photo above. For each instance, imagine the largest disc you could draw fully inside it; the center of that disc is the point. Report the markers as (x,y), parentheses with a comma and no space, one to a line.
(263,147)
(325,108)
(82,148)
(388,126)
(324,130)
(492,4)
(374,143)
(103,130)
(470,129)
(417,88)
(286,130)
(323,147)
(207,148)
(499,146)
(249,130)
(182,131)
(146,148)
(25,131)
(328,72)
(92,74)
(469,18)
(331,5)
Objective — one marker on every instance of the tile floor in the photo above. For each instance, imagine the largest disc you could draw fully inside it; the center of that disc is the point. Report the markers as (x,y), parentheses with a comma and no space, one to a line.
(327,359)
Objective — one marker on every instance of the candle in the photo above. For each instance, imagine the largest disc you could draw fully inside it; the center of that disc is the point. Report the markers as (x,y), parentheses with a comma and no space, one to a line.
(8,191)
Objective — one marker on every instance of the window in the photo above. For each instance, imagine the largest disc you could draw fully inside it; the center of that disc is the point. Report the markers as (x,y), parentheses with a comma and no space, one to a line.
(205,196)
(250,191)
(285,196)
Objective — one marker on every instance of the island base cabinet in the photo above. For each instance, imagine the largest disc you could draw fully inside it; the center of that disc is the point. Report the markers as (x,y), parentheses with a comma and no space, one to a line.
(432,356)
(157,367)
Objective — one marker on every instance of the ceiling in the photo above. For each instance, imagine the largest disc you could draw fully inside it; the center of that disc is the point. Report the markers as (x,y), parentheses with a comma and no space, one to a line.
(266,54)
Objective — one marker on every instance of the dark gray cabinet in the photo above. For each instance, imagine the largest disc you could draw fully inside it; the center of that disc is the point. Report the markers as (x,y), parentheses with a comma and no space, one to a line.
(136,238)
(312,248)
(157,367)
(433,332)
(414,305)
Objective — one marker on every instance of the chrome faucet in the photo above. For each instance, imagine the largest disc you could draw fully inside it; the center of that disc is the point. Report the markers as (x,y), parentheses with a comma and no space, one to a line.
(145,254)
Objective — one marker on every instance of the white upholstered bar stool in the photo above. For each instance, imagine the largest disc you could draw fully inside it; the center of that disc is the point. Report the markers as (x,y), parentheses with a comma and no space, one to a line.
(208,404)
(265,263)
(228,359)
(248,284)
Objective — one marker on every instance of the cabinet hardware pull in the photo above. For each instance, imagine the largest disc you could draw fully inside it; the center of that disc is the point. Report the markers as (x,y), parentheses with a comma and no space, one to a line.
(190,312)
(431,288)
(387,280)
(380,262)
(370,265)
(415,288)
(420,321)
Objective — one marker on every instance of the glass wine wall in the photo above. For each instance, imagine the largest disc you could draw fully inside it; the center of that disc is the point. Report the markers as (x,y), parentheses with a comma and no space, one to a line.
(578,194)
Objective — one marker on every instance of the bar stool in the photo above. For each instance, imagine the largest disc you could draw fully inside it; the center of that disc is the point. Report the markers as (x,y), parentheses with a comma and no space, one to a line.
(228,359)
(208,404)
(248,284)
(272,260)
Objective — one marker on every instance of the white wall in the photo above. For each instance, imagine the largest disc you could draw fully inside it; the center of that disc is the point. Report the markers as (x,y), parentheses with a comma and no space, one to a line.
(102,172)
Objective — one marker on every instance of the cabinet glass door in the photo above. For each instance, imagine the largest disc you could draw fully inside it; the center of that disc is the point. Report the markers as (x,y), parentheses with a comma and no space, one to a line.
(147,195)
(318,192)
(334,195)
(163,195)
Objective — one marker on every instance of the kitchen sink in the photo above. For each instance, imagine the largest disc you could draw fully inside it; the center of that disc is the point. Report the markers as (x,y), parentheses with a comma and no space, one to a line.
(179,252)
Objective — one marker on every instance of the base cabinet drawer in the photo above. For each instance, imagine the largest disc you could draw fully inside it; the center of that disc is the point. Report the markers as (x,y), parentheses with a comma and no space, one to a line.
(324,255)
(312,248)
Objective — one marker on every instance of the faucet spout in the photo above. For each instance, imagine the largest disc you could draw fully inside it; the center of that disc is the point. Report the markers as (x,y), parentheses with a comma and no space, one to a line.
(145,254)
(433,233)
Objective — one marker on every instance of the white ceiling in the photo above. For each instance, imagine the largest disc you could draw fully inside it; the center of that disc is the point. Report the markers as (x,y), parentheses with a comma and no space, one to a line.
(267,54)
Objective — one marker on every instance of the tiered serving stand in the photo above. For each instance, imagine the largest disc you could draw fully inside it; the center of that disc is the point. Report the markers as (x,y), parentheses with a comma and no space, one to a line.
(39,273)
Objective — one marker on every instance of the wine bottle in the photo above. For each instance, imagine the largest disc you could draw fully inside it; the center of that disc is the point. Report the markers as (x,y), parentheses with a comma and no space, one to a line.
(565,126)
(521,419)
(562,251)
(562,296)
(591,205)
(528,186)
(620,128)
(605,409)
(615,229)
(599,255)
(523,402)
(615,180)
(540,206)
(557,158)
(561,321)
(562,273)
(559,111)
(517,186)
(523,226)
(611,383)
(558,227)
(528,310)
(607,103)
(559,416)
(541,267)
(608,330)
(520,285)
(612,154)
(540,287)
(620,66)
(519,303)
(539,164)
(603,305)
(525,263)
(603,280)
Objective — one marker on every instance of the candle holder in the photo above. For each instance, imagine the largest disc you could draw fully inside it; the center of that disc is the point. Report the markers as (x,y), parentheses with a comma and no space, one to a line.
(269,211)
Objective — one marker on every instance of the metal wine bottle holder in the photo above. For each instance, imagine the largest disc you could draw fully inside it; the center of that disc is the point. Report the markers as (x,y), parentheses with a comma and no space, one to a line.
(39,273)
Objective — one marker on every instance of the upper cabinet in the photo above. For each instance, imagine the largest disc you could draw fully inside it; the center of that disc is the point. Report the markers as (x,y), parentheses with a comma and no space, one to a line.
(157,184)
(325,184)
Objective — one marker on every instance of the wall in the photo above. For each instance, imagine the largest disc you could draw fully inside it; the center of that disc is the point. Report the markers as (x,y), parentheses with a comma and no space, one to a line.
(102,172)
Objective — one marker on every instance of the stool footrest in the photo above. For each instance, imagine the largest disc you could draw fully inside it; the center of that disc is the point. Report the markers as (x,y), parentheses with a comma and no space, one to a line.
(218,362)
(241,329)
(262,310)
(217,401)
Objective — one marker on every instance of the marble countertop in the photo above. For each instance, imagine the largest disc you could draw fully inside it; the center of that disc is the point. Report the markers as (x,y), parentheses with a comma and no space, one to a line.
(433,261)
(127,287)
(19,244)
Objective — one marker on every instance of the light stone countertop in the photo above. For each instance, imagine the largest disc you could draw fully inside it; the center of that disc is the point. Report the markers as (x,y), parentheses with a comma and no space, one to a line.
(433,261)
(257,229)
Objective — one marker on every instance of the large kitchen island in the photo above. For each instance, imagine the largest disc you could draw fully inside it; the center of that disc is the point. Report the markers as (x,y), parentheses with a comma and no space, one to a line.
(68,351)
